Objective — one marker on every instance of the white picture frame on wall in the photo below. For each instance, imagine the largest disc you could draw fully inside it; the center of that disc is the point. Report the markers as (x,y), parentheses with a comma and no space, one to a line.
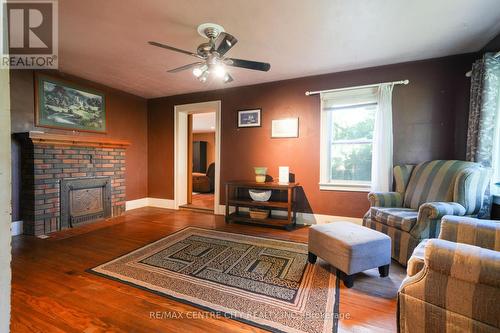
(285,128)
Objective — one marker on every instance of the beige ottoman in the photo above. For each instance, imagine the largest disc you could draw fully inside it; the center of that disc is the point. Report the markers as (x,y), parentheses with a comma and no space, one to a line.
(350,248)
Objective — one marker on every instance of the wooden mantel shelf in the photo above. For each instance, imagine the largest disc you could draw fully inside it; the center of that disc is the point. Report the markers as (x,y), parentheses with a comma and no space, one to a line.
(73,140)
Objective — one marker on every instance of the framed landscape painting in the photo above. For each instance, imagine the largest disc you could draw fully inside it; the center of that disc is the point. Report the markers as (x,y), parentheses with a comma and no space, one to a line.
(59,104)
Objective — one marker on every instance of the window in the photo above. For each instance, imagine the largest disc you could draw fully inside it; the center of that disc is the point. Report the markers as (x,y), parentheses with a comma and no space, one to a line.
(347,125)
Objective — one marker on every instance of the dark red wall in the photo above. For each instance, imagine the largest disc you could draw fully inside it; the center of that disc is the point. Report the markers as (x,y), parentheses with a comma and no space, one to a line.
(429,118)
(126,119)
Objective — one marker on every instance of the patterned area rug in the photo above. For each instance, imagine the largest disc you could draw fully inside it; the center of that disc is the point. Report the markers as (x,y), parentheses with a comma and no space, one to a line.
(263,282)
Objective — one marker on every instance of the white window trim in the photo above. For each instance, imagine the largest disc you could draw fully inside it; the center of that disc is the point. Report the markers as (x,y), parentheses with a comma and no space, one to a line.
(325,183)
(346,186)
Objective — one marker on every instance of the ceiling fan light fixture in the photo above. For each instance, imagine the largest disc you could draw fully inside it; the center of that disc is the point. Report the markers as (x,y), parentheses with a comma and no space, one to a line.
(219,71)
(197,71)
(211,55)
(204,76)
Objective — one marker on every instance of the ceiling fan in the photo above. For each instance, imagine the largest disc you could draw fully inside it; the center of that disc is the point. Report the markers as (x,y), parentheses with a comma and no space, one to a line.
(211,55)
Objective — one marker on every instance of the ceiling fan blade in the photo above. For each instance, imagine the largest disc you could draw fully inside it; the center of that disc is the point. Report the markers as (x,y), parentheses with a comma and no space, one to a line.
(248,64)
(229,78)
(171,48)
(224,43)
(182,68)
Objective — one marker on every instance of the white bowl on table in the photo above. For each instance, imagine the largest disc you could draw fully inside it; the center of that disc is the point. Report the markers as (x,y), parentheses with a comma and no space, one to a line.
(260,195)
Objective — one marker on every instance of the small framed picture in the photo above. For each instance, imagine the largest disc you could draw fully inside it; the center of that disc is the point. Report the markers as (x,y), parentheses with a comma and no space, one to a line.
(249,118)
(285,128)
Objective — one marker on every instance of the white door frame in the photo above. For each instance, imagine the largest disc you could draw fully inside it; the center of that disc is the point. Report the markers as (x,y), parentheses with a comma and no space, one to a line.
(181,113)
(5,190)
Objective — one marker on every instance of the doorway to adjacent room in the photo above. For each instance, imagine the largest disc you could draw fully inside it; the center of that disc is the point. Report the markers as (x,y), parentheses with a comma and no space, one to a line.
(197,155)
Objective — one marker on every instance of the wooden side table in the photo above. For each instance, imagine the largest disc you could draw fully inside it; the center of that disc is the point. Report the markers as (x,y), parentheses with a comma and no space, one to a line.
(283,198)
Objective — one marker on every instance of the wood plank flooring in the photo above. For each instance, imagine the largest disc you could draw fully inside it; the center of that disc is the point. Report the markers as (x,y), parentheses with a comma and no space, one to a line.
(52,292)
(204,200)
(201,202)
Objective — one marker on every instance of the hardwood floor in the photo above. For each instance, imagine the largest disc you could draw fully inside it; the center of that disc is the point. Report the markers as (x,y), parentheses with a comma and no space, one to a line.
(205,200)
(52,292)
(201,201)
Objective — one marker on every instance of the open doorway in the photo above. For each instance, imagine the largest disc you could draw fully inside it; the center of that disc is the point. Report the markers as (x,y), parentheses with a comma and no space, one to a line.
(197,155)
(201,155)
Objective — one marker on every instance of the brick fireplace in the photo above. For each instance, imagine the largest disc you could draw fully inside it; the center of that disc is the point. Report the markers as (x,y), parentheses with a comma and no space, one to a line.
(68,180)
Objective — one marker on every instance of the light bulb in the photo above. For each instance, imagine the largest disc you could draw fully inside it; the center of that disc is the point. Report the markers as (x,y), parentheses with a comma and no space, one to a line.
(219,71)
(203,77)
(197,71)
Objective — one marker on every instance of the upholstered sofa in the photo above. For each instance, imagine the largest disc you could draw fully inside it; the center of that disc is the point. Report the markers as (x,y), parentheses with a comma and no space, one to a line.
(204,182)
(453,283)
(423,195)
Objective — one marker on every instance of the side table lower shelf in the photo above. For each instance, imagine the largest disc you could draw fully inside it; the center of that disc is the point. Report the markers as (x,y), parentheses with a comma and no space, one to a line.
(272,221)
(282,198)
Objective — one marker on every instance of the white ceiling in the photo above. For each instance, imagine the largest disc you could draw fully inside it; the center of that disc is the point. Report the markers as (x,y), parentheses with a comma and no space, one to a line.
(106,41)
(204,122)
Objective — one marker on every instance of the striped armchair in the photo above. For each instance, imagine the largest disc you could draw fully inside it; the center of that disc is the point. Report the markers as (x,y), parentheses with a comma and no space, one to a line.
(423,195)
(453,283)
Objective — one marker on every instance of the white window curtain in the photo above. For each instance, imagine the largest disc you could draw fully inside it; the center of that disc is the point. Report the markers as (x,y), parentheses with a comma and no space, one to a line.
(496,153)
(382,141)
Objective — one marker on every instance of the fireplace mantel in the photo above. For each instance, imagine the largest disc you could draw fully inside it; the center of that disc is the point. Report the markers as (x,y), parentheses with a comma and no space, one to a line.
(73,140)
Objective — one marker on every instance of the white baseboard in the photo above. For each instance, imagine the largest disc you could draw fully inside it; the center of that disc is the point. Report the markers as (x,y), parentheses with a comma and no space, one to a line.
(310,219)
(222,210)
(304,218)
(149,202)
(161,203)
(16,228)
(138,203)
